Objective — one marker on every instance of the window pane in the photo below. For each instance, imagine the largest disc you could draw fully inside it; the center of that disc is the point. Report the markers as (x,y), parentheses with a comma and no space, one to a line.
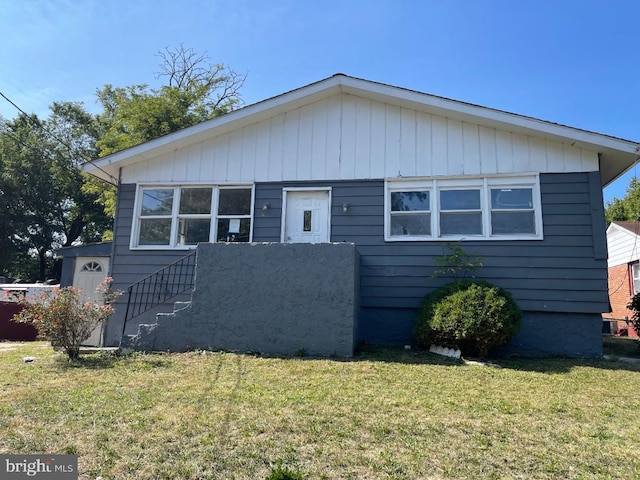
(460,200)
(195,200)
(193,230)
(504,223)
(410,201)
(306,221)
(635,268)
(461,223)
(91,267)
(225,236)
(157,201)
(235,201)
(511,198)
(419,225)
(155,231)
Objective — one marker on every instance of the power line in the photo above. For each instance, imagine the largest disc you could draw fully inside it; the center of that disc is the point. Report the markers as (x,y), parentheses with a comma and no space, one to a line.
(16,106)
(63,142)
(636,227)
(35,149)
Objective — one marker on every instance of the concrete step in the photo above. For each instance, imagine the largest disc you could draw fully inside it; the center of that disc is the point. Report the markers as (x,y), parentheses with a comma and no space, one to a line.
(180,305)
(126,346)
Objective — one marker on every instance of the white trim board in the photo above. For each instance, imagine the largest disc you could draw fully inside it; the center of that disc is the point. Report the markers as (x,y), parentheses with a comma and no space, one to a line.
(615,155)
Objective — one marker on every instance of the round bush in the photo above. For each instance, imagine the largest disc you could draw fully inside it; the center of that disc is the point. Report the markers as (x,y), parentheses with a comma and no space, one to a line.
(471,315)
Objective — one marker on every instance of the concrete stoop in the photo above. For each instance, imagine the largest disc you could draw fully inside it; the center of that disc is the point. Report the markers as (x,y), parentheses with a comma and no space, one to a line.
(146,339)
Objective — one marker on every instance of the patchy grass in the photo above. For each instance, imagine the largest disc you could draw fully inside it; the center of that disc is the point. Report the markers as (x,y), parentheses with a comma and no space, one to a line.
(386,414)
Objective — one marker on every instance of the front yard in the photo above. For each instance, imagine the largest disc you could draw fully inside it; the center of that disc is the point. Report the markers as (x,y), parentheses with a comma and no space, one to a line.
(386,414)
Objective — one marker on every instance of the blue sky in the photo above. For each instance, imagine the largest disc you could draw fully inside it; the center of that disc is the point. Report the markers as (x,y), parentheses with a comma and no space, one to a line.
(574,62)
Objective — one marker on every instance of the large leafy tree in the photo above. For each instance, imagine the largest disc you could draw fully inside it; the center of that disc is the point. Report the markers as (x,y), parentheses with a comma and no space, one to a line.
(46,202)
(627,208)
(195,90)
(47,207)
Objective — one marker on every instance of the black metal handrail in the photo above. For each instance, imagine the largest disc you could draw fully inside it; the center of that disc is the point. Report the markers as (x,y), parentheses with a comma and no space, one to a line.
(157,288)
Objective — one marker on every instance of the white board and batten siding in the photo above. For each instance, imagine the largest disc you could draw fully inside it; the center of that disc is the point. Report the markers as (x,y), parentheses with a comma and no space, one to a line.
(623,246)
(346,137)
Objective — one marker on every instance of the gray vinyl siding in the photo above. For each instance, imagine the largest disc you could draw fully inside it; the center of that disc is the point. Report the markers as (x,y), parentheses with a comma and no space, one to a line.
(129,266)
(565,272)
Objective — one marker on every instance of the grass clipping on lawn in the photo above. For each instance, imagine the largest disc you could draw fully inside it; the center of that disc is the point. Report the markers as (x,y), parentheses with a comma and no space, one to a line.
(385,414)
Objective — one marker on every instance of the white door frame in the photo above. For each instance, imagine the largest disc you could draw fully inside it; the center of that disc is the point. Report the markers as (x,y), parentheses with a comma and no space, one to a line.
(95,339)
(286,190)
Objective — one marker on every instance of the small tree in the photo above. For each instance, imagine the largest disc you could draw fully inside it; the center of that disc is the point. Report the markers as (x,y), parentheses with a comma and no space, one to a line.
(458,264)
(64,320)
(634,305)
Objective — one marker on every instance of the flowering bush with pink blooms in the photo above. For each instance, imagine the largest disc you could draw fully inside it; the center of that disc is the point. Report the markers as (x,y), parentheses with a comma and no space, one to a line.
(61,317)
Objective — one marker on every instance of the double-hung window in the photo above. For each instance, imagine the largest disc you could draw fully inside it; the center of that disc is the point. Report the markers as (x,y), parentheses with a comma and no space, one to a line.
(460,211)
(410,212)
(475,208)
(183,216)
(234,215)
(512,210)
(156,213)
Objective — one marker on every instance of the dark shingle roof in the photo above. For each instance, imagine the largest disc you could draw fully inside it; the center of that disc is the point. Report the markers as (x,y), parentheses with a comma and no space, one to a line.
(633,227)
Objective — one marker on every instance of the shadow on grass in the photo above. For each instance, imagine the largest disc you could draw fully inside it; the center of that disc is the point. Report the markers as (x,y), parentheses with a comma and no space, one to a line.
(549,365)
(91,361)
(553,365)
(621,346)
(372,353)
(105,360)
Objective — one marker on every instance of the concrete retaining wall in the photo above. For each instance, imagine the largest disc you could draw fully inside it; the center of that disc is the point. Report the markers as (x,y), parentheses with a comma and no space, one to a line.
(268,297)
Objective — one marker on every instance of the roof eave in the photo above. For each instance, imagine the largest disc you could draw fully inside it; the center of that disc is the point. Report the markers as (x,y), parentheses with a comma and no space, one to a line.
(173,141)
(617,155)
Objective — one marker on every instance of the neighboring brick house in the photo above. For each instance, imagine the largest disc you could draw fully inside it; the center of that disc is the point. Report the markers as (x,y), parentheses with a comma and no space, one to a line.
(623,240)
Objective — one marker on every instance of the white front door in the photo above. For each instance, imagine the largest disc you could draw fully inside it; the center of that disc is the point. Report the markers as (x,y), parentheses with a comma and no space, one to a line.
(307,216)
(89,272)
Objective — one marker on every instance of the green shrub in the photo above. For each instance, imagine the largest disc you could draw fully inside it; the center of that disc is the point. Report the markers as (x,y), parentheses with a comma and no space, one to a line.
(425,335)
(471,315)
(62,318)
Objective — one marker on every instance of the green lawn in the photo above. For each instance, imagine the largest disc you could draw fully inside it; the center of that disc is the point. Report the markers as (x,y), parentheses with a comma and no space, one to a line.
(385,414)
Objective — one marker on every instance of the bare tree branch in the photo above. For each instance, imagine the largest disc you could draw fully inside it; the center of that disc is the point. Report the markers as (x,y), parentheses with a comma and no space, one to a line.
(218,85)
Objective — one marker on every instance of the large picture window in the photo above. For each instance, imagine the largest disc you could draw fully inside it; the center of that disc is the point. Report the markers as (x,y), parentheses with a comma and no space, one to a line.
(479,208)
(183,216)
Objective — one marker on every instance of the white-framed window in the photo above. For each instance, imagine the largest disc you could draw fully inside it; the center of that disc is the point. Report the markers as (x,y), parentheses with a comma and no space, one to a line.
(635,278)
(470,208)
(410,212)
(91,267)
(172,216)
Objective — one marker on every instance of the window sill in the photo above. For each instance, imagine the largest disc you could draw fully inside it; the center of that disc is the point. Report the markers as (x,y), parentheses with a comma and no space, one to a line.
(467,238)
(162,247)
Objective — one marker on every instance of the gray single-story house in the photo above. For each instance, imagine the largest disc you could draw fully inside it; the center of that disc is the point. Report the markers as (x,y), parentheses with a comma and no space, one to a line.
(398,173)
